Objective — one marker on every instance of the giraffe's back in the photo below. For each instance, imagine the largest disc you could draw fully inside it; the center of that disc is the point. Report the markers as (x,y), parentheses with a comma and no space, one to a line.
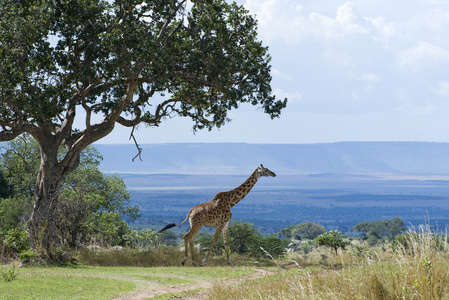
(210,214)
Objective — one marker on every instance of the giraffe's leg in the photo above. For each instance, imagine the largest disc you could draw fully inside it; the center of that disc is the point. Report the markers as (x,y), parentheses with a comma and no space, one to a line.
(217,235)
(192,249)
(189,238)
(225,239)
(186,244)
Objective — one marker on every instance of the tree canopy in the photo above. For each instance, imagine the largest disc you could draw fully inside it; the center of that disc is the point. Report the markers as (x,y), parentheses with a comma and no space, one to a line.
(114,57)
(389,228)
(130,62)
(333,239)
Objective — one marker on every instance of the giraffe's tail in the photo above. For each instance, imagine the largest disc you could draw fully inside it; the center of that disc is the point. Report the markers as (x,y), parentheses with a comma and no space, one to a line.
(174,224)
(167,227)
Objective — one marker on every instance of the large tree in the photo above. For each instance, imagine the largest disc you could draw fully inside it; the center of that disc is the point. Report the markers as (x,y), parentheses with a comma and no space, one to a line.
(131,62)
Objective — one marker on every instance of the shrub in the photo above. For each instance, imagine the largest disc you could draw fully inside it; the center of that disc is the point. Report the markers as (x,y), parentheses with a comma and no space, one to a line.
(273,245)
(14,241)
(9,275)
(205,241)
(28,255)
(142,239)
(333,239)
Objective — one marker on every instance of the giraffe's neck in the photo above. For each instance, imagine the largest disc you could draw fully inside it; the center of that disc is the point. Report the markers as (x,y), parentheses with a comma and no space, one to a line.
(241,191)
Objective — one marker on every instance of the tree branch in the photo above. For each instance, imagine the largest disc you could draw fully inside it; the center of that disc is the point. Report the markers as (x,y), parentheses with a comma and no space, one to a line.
(131,123)
(96,131)
(9,135)
(137,145)
(167,22)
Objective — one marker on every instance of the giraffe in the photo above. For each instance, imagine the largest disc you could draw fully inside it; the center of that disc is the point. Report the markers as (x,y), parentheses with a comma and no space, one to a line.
(217,213)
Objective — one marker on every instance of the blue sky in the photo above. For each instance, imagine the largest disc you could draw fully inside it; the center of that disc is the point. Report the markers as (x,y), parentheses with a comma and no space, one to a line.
(370,70)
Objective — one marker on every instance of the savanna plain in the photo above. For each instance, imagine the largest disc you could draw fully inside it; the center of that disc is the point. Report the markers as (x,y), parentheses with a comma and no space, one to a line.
(414,265)
(415,268)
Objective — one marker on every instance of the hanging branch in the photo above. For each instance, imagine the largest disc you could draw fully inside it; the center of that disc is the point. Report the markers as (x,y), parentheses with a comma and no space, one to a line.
(137,145)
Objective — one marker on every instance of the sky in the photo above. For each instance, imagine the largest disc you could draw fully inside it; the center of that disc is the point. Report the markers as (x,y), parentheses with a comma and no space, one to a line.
(362,70)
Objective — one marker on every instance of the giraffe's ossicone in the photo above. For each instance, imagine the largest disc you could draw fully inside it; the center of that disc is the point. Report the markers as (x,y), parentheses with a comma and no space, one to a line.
(217,213)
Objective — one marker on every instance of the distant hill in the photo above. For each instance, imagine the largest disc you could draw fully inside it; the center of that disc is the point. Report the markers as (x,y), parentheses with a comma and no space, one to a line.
(236,158)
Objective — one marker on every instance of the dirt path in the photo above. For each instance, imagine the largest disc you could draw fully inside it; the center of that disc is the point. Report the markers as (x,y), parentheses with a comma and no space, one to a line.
(154,290)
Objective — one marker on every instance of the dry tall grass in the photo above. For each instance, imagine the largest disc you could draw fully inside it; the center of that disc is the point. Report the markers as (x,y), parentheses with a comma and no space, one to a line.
(162,256)
(416,269)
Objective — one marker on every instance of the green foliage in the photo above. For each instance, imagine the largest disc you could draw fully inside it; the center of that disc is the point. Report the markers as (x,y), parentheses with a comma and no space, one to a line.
(142,239)
(91,205)
(382,228)
(287,231)
(5,188)
(333,239)
(108,229)
(241,236)
(28,255)
(244,239)
(9,275)
(272,245)
(169,238)
(20,160)
(308,230)
(14,240)
(14,212)
(206,58)
(205,240)
(365,228)
(307,247)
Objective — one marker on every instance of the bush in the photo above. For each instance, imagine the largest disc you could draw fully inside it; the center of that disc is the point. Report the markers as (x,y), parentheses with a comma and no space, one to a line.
(205,241)
(28,255)
(273,245)
(333,239)
(9,275)
(142,239)
(307,248)
(244,240)
(14,241)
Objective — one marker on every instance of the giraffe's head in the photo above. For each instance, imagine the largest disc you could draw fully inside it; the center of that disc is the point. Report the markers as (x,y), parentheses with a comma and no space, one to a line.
(262,171)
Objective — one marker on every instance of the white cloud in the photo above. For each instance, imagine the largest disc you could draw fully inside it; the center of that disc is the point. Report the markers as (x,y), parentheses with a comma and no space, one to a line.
(351,70)
(442,90)
(295,97)
(285,19)
(279,74)
(368,77)
(346,22)
(422,55)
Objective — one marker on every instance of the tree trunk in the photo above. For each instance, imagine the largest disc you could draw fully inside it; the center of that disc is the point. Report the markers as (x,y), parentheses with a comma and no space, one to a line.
(43,229)
(43,235)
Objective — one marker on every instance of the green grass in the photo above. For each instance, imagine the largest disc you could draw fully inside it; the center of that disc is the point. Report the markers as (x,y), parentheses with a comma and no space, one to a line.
(62,283)
(87,282)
